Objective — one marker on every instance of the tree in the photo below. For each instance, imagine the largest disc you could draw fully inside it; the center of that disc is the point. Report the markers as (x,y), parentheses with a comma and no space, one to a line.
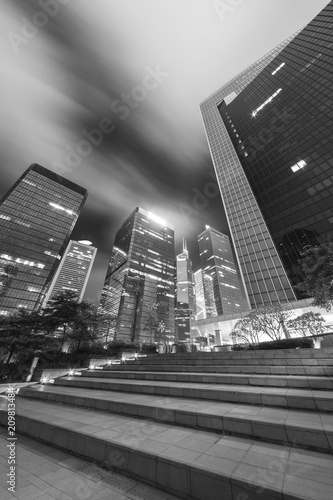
(245,330)
(84,326)
(152,322)
(307,324)
(61,311)
(317,266)
(21,331)
(270,321)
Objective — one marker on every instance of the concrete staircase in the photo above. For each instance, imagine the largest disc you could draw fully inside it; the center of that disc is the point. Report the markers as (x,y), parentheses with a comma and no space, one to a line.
(207,426)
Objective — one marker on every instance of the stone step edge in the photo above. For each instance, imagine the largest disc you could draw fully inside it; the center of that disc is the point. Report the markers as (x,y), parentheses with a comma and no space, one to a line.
(144,466)
(145,375)
(316,370)
(226,395)
(238,362)
(257,429)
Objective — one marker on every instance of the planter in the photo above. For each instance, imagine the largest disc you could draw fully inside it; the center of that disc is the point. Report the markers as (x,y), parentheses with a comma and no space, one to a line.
(222,348)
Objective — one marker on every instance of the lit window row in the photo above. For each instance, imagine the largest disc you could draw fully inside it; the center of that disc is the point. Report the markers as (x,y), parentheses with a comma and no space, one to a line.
(298,166)
(255,112)
(278,68)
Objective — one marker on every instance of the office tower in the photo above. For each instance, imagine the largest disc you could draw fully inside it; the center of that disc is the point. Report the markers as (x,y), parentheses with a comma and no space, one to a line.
(139,288)
(222,285)
(210,303)
(37,216)
(270,135)
(185,293)
(74,269)
(200,304)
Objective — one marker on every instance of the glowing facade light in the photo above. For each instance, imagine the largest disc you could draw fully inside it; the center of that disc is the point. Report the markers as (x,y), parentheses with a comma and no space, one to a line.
(278,68)
(156,218)
(59,207)
(298,165)
(85,242)
(256,111)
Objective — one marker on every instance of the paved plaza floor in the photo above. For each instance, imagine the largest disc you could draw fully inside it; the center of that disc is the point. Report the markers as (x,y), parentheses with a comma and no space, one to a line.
(47,473)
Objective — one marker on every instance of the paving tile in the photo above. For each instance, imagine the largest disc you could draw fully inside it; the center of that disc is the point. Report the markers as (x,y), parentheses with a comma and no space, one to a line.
(295,486)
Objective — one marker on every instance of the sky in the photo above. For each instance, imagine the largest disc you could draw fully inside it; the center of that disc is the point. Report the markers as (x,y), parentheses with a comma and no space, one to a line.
(107,93)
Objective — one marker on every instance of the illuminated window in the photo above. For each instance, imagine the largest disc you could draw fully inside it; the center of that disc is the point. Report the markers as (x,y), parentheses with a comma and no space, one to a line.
(278,68)
(255,112)
(298,166)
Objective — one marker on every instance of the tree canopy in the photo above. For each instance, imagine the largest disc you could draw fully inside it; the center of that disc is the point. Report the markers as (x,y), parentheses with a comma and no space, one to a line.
(270,321)
(307,324)
(317,267)
(20,331)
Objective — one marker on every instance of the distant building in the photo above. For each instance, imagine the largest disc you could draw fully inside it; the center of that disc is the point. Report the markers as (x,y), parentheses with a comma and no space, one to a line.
(74,269)
(200,304)
(270,135)
(139,288)
(37,217)
(185,295)
(223,290)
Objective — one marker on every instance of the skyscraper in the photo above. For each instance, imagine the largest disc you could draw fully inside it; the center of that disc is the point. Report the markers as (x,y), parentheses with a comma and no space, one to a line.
(185,294)
(200,304)
(270,135)
(37,216)
(74,269)
(139,288)
(220,273)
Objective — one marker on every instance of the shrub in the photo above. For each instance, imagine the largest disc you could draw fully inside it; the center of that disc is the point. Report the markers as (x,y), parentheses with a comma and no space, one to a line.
(148,349)
(301,342)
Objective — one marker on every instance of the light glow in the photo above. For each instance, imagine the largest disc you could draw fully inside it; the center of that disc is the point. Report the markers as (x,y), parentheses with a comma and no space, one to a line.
(298,165)
(256,111)
(59,207)
(156,218)
(278,68)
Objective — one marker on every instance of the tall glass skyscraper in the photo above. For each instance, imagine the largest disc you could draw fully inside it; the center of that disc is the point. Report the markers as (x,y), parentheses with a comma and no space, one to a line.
(200,304)
(139,288)
(37,216)
(185,293)
(220,273)
(74,269)
(270,135)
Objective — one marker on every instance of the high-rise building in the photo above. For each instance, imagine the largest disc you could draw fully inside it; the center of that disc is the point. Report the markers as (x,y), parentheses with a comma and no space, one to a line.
(200,304)
(139,288)
(185,293)
(270,135)
(37,216)
(223,290)
(210,303)
(74,269)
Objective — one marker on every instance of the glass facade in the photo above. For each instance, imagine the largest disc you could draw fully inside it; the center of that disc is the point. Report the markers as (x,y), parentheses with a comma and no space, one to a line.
(74,269)
(200,304)
(220,274)
(37,216)
(270,136)
(185,293)
(139,288)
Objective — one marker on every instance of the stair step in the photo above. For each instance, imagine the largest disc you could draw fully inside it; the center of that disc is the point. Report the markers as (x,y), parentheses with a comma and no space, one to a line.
(270,396)
(294,427)
(322,383)
(209,357)
(206,368)
(295,361)
(189,463)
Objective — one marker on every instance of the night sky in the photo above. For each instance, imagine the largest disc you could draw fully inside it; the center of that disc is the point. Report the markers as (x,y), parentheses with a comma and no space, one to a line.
(75,71)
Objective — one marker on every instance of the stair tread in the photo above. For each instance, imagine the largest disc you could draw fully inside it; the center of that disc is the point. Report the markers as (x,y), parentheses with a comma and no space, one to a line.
(239,460)
(295,418)
(209,387)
